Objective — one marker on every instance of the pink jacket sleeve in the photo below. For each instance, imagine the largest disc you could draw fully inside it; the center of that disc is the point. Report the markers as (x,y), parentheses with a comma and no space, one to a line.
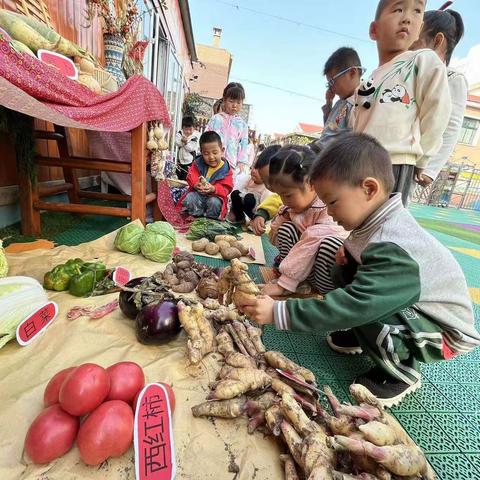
(298,264)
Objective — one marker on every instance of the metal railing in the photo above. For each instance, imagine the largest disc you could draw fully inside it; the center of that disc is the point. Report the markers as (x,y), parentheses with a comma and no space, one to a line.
(457,186)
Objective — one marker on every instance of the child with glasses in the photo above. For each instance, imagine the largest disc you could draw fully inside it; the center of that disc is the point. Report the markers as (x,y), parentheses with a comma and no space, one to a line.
(343,71)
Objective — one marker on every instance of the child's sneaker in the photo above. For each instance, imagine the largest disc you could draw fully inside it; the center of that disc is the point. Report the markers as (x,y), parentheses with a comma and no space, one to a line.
(344,341)
(388,390)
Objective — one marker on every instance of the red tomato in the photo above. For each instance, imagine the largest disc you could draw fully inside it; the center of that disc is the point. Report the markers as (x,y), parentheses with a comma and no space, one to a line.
(51,435)
(107,432)
(50,396)
(171,397)
(126,380)
(84,389)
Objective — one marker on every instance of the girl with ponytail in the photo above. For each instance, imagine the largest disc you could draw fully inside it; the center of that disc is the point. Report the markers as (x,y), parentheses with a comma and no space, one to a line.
(441,32)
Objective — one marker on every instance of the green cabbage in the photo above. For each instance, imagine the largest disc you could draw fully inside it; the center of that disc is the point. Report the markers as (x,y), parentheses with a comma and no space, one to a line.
(163,228)
(158,242)
(128,238)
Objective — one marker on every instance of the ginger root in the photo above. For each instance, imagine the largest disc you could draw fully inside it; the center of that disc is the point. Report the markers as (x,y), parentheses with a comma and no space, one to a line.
(201,334)
(236,285)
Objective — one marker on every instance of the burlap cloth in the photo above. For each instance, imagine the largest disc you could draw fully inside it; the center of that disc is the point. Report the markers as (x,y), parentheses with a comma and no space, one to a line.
(205,449)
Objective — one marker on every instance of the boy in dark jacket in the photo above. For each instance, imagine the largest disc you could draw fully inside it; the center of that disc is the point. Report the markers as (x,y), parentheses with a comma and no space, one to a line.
(210,181)
(403,296)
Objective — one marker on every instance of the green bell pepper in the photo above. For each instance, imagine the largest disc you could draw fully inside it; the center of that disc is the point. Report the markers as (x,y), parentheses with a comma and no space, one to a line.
(82,284)
(57,279)
(98,268)
(75,275)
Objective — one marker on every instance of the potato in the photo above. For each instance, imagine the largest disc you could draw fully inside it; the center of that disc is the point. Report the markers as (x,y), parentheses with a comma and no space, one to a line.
(230,253)
(226,238)
(243,249)
(222,244)
(199,245)
(212,248)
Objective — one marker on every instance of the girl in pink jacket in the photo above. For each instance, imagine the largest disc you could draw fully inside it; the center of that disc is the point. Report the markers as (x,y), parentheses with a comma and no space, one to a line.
(231,127)
(306,236)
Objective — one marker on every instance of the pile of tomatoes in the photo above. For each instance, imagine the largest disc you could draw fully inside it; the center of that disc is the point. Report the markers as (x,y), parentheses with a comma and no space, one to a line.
(107,396)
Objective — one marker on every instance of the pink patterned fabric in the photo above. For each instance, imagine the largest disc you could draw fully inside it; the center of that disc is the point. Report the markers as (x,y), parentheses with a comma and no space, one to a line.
(169,210)
(137,101)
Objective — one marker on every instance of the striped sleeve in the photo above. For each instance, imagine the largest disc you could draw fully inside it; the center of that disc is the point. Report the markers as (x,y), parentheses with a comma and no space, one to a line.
(280,314)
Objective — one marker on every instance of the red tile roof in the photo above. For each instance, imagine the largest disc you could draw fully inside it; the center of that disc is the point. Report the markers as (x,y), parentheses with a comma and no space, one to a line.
(309,128)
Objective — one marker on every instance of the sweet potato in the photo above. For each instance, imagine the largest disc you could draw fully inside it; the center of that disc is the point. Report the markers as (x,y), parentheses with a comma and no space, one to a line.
(232,408)
(274,418)
(201,335)
(224,343)
(379,433)
(279,360)
(239,360)
(403,460)
(239,381)
(290,470)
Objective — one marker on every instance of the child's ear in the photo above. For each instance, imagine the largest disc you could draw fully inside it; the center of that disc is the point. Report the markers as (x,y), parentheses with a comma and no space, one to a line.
(372,31)
(371,187)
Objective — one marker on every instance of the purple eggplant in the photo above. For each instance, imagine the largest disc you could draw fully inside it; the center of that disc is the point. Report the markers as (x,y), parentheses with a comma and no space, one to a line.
(157,323)
(125,299)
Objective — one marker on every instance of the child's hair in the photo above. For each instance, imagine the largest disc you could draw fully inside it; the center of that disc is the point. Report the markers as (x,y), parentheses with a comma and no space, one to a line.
(351,158)
(341,59)
(264,158)
(382,5)
(210,137)
(448,22)
(235,91)
(187,121)
(291,163)
(217,106)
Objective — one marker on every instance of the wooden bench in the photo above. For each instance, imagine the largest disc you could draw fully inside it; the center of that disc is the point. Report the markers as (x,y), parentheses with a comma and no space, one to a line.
(32,197)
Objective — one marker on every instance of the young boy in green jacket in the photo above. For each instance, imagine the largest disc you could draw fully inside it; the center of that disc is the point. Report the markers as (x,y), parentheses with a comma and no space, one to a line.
(403,296)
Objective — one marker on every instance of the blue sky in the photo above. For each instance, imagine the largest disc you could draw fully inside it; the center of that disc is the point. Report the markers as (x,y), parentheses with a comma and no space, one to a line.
(291,56)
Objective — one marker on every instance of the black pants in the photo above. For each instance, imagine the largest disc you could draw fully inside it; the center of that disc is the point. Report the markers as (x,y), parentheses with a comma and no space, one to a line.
(321,275)
(403,181)
(242,206)
(182,171)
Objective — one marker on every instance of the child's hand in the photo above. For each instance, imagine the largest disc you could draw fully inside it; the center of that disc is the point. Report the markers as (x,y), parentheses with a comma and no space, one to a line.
(274,290)
(260,309)
(340,257)
(208,188)
(421,178)
(329,96)
(258,225)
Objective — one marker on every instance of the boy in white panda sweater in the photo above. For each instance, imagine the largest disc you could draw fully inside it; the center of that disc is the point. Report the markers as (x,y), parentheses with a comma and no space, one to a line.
(405,103)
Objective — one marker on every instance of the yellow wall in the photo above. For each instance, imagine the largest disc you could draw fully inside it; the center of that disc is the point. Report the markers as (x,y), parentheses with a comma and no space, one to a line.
(470,151)
(213,75)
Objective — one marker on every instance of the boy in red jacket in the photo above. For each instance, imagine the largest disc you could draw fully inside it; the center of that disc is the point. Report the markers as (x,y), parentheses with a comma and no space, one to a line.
(210,181)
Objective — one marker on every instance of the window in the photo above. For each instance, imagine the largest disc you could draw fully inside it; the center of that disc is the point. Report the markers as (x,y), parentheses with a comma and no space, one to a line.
(469,131)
